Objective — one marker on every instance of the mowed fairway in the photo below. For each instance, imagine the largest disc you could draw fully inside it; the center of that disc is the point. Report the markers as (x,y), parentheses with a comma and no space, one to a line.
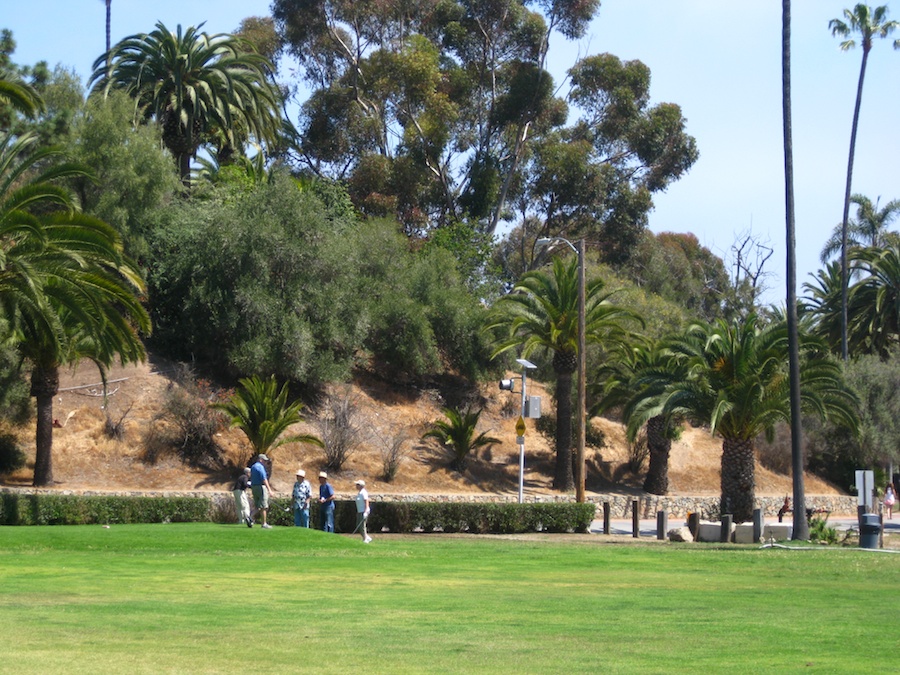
(207,598)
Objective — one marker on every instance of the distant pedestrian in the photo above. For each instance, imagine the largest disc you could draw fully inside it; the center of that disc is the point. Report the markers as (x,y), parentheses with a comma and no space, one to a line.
(259,485)
(362,510)
(300,499)
(889,499)
(241,502)
(326,503)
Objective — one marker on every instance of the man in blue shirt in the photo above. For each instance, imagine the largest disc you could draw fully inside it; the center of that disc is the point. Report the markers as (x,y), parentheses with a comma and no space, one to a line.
(326,503)
(259,486)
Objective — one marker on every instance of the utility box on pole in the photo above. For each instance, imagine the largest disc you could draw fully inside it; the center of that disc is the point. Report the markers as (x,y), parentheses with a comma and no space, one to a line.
(533,407)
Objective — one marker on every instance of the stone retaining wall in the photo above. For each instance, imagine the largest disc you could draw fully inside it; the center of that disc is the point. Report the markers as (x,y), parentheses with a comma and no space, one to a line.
(620,504)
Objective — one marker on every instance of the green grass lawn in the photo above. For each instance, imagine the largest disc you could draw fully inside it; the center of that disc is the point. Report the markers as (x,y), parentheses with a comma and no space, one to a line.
(205,598)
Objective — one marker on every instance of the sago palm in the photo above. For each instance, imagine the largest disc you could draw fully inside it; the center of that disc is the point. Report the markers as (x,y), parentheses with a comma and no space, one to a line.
(457,435)
(263,412)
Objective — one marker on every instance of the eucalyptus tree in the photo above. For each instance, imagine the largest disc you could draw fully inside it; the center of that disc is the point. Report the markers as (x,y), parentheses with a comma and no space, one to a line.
(868,23)
(200,88)
(541,315)
(443,111)
(737,383)
(66,288)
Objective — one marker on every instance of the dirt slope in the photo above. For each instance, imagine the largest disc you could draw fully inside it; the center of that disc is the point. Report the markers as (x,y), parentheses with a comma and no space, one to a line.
(85,458)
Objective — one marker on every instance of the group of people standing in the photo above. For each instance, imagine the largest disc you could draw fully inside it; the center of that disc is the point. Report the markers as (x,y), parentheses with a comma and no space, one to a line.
(256,477)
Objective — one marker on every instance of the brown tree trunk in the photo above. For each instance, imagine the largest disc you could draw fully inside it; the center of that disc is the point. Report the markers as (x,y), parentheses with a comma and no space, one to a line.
(564,478)
(44,385)
(657,479)
(738,479)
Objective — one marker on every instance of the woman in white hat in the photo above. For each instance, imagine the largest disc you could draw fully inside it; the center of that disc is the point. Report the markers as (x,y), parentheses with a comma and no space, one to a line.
(362,510)
(300,499)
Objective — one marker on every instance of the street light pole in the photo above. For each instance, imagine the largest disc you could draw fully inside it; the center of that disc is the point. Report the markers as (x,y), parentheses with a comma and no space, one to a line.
(508,385)
(581,412)
(580,429)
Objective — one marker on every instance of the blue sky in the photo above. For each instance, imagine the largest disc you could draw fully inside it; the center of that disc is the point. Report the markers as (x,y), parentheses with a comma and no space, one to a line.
(720,61)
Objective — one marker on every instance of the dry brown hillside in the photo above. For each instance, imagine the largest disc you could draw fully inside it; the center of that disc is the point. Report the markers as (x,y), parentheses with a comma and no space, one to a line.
(85,458)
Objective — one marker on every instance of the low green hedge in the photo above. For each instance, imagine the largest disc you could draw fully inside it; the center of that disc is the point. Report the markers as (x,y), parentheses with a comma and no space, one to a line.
(396,517)
(16,509)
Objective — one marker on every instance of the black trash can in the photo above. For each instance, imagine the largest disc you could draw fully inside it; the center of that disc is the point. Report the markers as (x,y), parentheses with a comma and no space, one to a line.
(869,530)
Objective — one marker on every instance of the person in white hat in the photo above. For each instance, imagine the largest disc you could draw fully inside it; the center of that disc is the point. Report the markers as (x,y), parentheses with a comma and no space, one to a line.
(326,503)
(300,499)
(362,510)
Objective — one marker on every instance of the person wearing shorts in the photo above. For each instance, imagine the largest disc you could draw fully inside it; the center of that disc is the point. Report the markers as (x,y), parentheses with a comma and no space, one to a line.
(362,510)
(260,487)
(240,497)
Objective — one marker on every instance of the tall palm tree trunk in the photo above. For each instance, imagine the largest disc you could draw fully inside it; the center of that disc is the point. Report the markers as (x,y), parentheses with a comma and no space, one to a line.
(657,480)
(44,386)
(801,528)
(738,479)
(845,277)
(108,25)
(564,478)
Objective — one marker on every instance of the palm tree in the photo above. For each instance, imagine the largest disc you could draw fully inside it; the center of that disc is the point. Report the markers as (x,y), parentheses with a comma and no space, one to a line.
(199,88)
(870,228)
(873,301)
(108,24)
(623,382)
(738,385)
(868,23)
(874,308)
(262,411)
(801,527)
(541,313)
(66,288)
(457,434)
(19,95)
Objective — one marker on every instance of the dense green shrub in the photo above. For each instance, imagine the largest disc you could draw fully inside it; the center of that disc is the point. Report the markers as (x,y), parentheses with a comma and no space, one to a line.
(404,517)
(395,517)
(30,509)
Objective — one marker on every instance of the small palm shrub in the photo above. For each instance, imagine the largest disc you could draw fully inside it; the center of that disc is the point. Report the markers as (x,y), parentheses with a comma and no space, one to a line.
(457,435)
(263,411)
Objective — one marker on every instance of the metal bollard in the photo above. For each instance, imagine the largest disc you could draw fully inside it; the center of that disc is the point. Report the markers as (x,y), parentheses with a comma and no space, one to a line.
(635,518)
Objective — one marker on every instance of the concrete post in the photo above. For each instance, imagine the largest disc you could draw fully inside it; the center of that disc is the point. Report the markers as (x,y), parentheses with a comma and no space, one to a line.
(662,525)
(757,525)
(725,534)
(694,524)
